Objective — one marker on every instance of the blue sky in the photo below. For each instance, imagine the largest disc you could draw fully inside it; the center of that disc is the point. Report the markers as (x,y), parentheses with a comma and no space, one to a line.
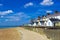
(17,12)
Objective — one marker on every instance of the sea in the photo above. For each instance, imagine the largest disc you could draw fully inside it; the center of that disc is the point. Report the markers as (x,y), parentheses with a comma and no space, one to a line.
(1,27)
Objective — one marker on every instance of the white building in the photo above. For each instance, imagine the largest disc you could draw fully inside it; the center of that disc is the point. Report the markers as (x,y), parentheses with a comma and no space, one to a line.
(49,20)
(46,22)
(57,16)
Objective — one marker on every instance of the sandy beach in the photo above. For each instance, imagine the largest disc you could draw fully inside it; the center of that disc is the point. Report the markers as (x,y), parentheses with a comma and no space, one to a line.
(10,34)
(31,35)
(20,33)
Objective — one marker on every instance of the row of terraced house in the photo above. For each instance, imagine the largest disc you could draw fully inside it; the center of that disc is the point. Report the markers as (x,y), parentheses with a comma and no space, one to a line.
(49,20)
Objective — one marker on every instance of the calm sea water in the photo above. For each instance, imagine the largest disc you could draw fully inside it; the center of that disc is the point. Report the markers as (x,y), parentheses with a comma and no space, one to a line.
(8,26)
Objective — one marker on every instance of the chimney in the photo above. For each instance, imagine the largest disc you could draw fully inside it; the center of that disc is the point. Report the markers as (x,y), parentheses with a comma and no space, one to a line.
(56,12)
(31,21)
(43,16)
(38,18)
(48,14)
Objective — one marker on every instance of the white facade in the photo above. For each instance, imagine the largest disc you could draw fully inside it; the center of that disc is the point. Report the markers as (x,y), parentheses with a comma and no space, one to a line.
(34,24)
(54,16)
(49,23)
(58,17)
(46,21)
(39,23)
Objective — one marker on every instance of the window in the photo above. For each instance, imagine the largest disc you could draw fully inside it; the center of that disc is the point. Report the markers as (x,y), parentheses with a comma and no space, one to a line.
(37,23)
(49,23)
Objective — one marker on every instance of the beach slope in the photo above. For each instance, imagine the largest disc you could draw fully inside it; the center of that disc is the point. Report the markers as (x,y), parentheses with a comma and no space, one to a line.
(10,34)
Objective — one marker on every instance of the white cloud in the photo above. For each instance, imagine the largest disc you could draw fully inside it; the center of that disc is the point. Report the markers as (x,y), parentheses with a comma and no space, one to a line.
(17,17)
(48,11)
(12,19)
(1,4)
(6,12)
(47,2)
(1,16)
(28,4)
(22,14)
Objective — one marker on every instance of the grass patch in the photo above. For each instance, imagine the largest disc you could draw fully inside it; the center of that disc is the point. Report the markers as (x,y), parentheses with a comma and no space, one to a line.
(53,34)
(38,30)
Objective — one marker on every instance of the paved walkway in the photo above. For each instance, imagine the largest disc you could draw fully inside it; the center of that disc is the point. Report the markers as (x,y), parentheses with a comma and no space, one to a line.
(30,35)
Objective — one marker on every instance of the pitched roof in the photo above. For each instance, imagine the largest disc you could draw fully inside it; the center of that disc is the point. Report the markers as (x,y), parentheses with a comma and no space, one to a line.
(54,20)
(53,15)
